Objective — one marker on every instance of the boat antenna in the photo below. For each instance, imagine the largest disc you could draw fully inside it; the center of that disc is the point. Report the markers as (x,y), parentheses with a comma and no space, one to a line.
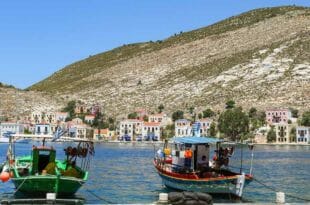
(43,142)
(241,155)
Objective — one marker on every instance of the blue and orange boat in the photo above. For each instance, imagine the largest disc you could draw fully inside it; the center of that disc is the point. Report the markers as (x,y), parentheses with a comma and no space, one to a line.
(184,164)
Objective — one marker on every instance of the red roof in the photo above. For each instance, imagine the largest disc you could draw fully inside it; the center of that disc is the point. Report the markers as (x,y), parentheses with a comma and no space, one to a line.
(102,131)
(151,124)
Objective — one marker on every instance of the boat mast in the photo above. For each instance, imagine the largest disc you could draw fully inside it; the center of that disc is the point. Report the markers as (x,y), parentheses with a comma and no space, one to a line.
(241,155)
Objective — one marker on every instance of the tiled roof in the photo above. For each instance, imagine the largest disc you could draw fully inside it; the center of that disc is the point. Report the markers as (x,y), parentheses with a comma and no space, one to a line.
(151,124)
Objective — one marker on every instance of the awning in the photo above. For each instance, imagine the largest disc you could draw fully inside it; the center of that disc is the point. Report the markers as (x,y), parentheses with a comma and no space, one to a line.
(195,140)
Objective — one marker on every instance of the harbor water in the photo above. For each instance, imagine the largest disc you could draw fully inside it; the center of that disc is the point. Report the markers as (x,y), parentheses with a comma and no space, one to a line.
(124,173)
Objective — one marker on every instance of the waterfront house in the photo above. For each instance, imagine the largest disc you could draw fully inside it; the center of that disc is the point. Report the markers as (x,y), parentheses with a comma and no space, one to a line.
(183,128)
(283,131)
(151,131)
(13,127)
(89,119)
(161,118)
(204,125)
(43,129)
(276,116)
(130,128)
(61,116)
(76,128)
(103,134)
(43,117)
(303,135)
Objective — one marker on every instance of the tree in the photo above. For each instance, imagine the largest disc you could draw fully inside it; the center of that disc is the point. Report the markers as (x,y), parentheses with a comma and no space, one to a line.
(212,130)
(191,110)
(294,112)
(271,135)
(199,115)
(70,108)
(305,120)
(234,123)
(177,115)
(133,115)
(252,112)
(168,131)
(230,104)
(208,113)
(293,134)
(145,118)
(160,108)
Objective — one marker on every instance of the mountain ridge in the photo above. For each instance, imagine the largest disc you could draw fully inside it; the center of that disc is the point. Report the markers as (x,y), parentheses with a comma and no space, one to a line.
(259,58)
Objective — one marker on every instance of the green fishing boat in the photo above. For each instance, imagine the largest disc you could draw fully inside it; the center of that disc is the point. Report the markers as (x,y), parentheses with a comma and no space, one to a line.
(40,172)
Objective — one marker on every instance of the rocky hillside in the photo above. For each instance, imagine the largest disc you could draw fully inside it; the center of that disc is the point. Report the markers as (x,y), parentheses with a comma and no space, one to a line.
(260,58)
(15,103)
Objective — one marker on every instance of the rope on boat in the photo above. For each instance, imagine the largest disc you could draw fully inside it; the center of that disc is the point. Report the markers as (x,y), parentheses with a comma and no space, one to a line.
(20,185)
(98,197)
(275,190)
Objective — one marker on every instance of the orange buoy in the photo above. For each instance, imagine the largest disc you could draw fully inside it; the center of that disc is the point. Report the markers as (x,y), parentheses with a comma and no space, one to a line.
(4,176)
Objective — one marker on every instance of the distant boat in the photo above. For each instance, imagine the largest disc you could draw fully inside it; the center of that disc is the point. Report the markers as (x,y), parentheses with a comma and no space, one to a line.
(5,138)
(40,172)
(194,172)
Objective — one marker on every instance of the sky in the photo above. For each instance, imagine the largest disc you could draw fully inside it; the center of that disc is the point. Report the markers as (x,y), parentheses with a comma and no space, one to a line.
(38,38)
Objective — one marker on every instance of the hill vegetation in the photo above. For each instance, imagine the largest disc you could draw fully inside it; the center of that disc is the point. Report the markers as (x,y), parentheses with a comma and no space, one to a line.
(259,57)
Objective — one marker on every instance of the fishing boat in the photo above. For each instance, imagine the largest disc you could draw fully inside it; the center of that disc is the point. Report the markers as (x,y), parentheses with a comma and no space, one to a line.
(184,164)
(5,138)
(40,172)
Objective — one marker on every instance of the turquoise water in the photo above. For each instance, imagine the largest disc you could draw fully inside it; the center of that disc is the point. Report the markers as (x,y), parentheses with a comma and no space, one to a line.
(124,173)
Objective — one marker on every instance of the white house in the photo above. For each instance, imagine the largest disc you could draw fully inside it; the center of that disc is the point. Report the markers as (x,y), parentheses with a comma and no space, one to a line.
(162,118)
(183,128)
(130,127)
(11,127)
(204,126)
(89,119)
(43,129)
(303,135)
(76,128)
(61,116)
(151,131)
(43,117)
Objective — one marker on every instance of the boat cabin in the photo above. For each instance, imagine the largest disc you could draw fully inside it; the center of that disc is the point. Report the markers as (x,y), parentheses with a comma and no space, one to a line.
(41,157)
(190,153)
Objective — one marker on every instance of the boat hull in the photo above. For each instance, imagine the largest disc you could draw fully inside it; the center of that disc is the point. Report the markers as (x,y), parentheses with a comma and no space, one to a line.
(40,185)
(224,186)
(191,182)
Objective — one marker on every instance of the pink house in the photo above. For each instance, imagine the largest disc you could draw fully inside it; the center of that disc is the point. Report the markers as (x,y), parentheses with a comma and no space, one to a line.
(94,109)
(275,116)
